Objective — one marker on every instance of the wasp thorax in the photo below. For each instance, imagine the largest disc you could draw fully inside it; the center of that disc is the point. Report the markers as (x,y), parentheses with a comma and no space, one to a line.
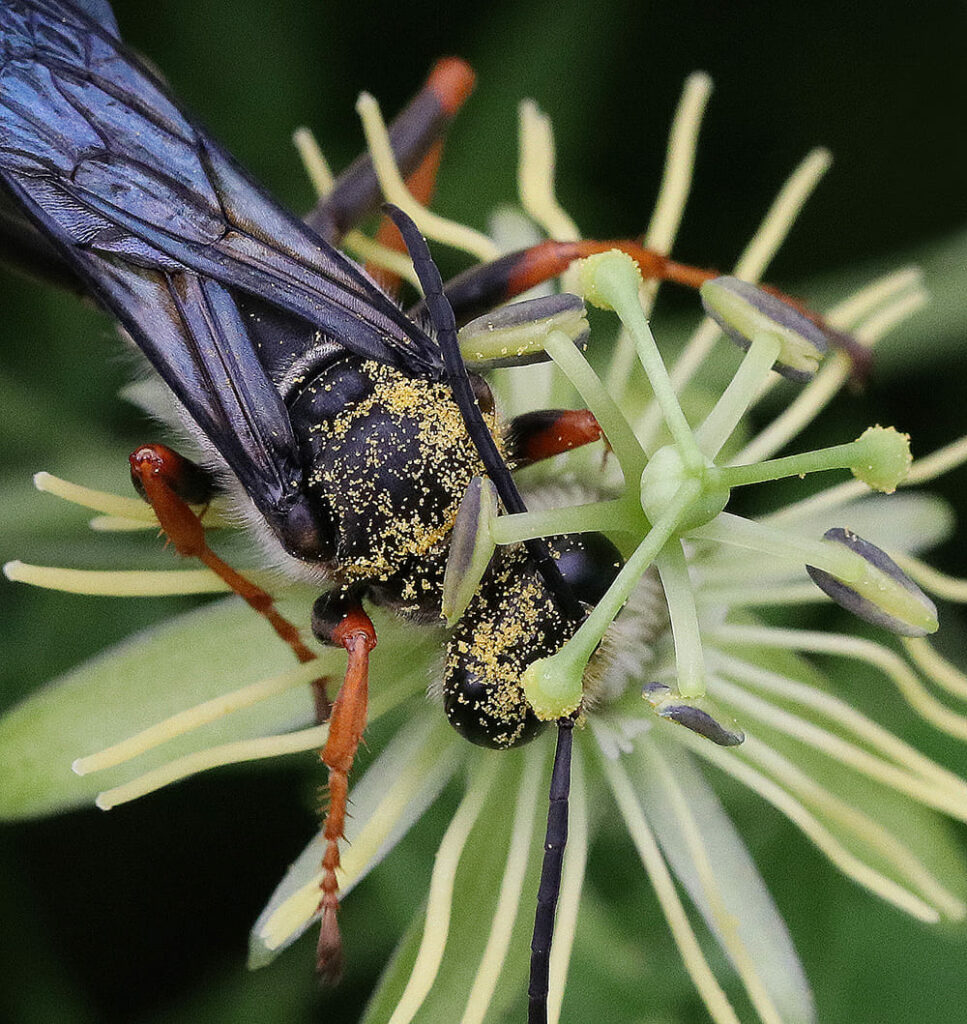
(390,460)
(512,621)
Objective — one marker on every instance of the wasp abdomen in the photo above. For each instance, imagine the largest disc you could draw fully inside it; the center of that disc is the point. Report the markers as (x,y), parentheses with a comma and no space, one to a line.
(511,622)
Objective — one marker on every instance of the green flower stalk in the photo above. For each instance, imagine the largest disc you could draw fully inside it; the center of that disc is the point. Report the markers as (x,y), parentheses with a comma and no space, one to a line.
(674,669)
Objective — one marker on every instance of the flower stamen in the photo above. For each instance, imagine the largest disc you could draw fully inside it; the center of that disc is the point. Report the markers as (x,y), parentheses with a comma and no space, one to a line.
(875,881)
(214,757)
(887,661)
(121,582)
(735,530)
(194,718)
(535,174)
(97,501)
(937,668)
(861,825)
(669,207)
(435,227)
(689,657)
(842,716)
(362,246)
(569,360)
(847,753)
(726,923)
(753,262)
(754,370)
(519,848)
(827,383)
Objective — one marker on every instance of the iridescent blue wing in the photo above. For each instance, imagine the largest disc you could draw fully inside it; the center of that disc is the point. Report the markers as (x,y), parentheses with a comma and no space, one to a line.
(175,239)
(91,140)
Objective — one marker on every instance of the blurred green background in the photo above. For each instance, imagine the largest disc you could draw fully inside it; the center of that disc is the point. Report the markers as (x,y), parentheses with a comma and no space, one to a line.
(141,915)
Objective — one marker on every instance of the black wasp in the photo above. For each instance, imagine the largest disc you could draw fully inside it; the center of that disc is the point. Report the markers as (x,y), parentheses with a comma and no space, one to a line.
(337,420)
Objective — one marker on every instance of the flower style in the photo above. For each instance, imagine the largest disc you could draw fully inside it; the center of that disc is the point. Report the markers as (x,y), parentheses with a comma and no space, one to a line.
(683,638)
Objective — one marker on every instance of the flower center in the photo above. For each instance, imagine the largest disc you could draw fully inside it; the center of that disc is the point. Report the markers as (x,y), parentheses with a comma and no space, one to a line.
(664,477)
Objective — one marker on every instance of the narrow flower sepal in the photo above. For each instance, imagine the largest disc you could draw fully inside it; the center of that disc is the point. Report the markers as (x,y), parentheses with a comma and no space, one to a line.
(884,595)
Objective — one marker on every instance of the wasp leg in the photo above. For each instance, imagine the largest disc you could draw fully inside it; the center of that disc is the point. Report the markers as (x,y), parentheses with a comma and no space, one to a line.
(413,133)
(170,483)
(484,287)
(338,619)
(538,435)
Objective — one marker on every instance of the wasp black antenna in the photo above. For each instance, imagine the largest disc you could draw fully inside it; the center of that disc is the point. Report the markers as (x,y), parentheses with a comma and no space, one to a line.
(555,840)
(444,323)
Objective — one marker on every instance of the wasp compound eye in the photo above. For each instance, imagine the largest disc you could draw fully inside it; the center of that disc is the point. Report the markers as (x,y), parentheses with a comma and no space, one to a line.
(512,621)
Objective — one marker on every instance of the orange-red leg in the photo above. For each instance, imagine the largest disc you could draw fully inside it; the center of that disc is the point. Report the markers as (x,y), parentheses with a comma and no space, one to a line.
(353,631)
(488,285)
(538,435)
(162,477)
(549,259)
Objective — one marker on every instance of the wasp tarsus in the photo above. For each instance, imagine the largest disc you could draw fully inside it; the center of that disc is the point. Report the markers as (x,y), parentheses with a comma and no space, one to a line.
(353,630)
